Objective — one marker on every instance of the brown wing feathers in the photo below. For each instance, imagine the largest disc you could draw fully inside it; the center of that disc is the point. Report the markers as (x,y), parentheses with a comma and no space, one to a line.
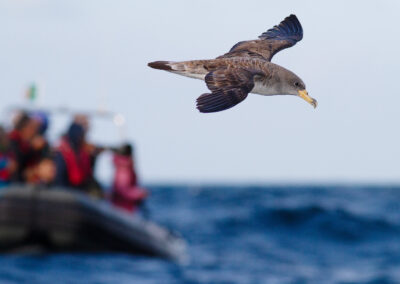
(282,36)
(229,87)
(230,84)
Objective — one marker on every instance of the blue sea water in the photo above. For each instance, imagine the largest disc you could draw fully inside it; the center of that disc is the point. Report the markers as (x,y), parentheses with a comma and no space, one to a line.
(248,234)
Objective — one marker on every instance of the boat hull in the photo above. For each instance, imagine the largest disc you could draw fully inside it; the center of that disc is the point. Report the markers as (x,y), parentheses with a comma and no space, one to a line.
(62,220)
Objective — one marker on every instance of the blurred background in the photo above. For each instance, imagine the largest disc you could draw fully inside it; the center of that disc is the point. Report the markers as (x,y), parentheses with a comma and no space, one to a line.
(271,191)
(94,54)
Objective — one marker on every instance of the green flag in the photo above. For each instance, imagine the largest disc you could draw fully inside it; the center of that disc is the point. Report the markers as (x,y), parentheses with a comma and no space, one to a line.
(31,93)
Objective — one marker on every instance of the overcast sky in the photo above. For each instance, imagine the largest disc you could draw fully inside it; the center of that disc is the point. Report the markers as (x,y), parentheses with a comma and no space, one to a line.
(87,54)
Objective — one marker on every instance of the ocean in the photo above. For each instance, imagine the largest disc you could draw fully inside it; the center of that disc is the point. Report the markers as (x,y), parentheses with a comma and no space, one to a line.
(248,234)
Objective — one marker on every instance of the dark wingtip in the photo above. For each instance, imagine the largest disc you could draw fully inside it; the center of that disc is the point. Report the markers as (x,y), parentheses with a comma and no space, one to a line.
(290,29)
(162,65)
(213,102)
(207,103)
(201,103)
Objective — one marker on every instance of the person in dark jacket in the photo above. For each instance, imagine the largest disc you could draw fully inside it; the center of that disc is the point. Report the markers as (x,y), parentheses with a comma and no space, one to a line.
(39,142)
(40,149)
(20,139)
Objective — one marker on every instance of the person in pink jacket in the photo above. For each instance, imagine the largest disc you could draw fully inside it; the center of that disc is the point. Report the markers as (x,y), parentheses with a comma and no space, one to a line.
(126,193)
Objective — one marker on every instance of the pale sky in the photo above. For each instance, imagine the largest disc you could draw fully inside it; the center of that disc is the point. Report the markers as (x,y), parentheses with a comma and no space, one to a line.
(87,54)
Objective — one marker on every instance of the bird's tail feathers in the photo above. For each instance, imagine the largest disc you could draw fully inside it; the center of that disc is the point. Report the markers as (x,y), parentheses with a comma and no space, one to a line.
(162,65)
(167,65)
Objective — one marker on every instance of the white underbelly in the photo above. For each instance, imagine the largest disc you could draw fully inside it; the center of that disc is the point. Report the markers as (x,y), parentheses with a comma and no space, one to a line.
(261,89)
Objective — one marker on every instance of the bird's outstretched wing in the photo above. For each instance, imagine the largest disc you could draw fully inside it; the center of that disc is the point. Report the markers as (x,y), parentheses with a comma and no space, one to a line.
(229,86)
(282,36)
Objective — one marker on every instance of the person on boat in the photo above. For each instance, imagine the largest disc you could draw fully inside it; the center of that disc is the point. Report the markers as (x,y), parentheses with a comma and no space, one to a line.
(8,164)
(40,143)
(40,148)
(73,162)
(43,173)
(93,151)
(82,120)
(126,193)
(23,146)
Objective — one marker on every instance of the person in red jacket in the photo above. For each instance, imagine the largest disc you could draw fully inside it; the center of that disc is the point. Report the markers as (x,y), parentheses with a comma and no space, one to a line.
(72,161)
(126,193)
(75,163)
(8,164)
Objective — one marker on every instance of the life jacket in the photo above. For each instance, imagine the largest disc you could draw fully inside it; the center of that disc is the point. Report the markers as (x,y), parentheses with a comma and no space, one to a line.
(5,174)
(78,163)
(23,146)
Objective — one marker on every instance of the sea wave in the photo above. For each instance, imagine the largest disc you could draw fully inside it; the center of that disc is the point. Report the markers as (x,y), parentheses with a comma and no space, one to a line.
(332,223)
(250,234)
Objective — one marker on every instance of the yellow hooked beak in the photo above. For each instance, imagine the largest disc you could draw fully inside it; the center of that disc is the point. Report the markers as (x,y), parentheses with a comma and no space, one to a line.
(304,95)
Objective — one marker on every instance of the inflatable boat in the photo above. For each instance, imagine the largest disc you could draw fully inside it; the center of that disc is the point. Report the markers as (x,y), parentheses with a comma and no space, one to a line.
(62,220)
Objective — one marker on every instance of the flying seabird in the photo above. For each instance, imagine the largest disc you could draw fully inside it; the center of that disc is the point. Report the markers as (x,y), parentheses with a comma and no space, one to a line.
(246,68)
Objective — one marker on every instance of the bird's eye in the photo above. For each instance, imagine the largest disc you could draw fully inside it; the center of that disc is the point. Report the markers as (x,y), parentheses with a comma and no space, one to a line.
(297,84)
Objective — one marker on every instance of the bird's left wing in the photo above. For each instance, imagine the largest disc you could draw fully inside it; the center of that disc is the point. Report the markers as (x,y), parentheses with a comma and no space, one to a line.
(282,36)
(228,86)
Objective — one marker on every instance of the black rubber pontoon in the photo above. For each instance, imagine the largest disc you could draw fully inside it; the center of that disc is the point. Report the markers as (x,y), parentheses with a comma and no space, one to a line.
(65,220)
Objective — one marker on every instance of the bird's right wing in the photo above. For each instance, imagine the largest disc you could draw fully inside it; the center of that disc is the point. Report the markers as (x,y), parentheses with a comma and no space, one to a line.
(228,86)
(285,35)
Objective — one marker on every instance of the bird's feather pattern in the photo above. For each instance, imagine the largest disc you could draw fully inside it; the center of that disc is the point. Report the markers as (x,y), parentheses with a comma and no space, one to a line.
(282,36)
(245,68)
(289,29)
(229,86)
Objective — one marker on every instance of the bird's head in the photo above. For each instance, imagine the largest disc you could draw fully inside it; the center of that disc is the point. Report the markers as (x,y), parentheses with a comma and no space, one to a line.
(291,84)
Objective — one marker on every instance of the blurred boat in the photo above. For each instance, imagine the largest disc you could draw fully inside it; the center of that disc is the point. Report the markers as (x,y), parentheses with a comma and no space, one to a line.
(35,219)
